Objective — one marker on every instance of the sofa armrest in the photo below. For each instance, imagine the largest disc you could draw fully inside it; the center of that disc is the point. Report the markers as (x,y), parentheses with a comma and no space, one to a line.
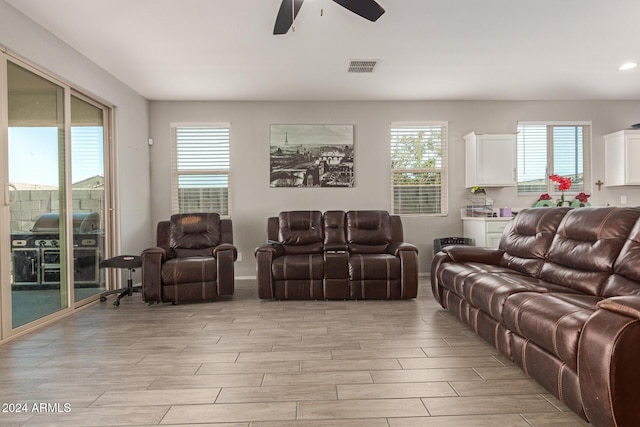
(474,254)
(626,306)
(607,359)
(225,254)
(335,247)
(225,247)
(152,260)
(408,255)
(460,254)
(395,248)
(275,248)
(265,254)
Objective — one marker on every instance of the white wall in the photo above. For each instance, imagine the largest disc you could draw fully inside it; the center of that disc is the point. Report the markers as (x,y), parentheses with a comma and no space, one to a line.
(30,41)
(144,173)
(253,200)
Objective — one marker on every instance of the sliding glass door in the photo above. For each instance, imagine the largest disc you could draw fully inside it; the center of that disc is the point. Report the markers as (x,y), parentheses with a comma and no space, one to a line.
(36,152)
(53,225)
(88,196)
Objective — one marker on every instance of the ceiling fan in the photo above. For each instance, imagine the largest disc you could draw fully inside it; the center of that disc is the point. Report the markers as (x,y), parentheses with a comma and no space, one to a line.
(368,9)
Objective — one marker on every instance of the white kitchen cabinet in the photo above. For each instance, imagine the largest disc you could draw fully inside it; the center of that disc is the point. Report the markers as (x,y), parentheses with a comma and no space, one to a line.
(622,156)
(490,160)
(486,232)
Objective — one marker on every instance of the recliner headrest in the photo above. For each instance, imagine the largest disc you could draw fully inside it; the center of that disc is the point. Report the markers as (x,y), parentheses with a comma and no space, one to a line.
(194,231)
(300,227)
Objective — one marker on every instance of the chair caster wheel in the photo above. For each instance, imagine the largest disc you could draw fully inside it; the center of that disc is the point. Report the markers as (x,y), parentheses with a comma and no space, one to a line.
(103,299)
(116,303)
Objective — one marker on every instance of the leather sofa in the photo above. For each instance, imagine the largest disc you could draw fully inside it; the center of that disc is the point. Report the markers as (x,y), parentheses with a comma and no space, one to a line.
(193,260)
(561,299)
(336,255)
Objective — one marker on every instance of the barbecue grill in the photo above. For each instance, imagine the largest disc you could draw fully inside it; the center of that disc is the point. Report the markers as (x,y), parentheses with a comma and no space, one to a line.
(36,254)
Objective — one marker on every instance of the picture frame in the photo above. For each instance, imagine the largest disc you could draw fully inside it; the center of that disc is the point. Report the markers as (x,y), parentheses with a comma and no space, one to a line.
(311,155)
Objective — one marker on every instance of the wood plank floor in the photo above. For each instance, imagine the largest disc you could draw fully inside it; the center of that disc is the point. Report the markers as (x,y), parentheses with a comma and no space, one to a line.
(243,362)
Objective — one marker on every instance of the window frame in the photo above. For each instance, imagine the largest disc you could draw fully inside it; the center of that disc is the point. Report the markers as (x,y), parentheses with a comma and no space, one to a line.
(176,173)
(551,187)
(443,169)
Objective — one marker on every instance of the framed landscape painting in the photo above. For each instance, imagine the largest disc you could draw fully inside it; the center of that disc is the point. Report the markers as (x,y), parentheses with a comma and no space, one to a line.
(311,156)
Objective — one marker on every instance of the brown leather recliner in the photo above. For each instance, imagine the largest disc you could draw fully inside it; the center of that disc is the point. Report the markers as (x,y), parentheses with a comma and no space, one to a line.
(336,255)
(193,260)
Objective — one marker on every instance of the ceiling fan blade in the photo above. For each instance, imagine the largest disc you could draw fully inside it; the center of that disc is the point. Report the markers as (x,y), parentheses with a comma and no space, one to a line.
(286,15)
(368,9)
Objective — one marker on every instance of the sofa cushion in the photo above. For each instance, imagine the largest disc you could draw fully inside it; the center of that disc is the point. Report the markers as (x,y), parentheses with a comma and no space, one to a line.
(192,234)
(528,237)
(553,321)
(489,291)
(178,271)
(375,266)
(452,275)
(368,231)
(586,245)
(298,267)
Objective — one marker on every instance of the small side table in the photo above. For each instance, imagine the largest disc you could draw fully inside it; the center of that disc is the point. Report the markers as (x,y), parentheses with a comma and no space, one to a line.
(130,262)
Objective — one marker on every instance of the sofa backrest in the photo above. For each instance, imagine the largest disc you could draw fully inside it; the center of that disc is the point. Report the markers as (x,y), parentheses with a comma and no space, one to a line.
(626,277)
(528,237)
(300,232)
(335,238)
(368,231)
(586,245)
(363,232)
(194,234)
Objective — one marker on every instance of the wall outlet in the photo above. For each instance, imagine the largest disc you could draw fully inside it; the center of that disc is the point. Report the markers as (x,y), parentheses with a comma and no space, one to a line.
(239,257)
(623,200)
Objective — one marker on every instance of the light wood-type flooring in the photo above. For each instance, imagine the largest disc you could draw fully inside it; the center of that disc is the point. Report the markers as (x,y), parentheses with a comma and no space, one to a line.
(244,362)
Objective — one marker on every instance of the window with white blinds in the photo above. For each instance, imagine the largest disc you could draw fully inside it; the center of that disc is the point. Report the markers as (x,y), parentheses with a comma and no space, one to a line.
(545,149)
(200,169)
(418,168)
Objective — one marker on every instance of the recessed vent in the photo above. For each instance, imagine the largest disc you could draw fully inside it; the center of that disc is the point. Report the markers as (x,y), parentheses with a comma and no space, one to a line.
(362,66)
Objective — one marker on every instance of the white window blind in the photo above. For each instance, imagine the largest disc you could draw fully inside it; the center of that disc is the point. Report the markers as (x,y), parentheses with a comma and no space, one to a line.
(550,148)
(418,169)
(200,169)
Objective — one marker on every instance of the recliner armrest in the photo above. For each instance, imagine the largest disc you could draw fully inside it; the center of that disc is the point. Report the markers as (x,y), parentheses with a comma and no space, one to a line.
(474,254)
(395,248)
(152,260)
(225,247)
(275,248)
(625,305)
(265,254)
(155,251)
(607,355)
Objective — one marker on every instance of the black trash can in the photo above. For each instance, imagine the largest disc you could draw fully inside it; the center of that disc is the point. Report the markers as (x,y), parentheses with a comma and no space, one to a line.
(441,242)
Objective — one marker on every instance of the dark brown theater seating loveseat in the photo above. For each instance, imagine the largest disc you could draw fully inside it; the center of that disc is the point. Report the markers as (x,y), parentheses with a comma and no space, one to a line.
(336,255)
(561,299)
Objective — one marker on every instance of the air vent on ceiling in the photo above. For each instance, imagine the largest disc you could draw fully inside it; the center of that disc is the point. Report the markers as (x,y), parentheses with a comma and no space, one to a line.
(362,66)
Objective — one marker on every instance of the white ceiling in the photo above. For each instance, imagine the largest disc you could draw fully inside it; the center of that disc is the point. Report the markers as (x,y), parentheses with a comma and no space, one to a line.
(427,49)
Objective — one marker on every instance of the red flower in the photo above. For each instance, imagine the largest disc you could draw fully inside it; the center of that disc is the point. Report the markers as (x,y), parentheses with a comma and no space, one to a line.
(545,196)
(584,198)
(563,182)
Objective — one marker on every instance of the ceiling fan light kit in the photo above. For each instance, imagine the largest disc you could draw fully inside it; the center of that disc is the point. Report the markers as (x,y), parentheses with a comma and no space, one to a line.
(368,9)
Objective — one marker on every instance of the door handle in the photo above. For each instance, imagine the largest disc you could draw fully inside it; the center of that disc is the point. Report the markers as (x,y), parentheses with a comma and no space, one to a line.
(7,193)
